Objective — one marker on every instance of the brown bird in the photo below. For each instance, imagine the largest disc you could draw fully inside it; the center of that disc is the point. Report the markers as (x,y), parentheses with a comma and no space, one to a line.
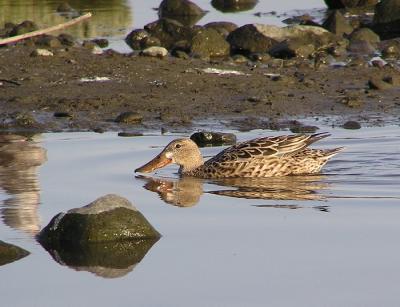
(262,157)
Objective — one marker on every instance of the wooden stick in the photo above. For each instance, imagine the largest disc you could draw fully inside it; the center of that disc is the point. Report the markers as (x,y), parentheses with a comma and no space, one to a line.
(44,31)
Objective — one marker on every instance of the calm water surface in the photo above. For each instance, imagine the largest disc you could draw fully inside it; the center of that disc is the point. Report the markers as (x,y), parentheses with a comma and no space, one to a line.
(328,240)
(113,19)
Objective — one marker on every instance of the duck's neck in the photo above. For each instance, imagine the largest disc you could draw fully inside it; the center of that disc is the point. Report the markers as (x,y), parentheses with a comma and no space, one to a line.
(195,161)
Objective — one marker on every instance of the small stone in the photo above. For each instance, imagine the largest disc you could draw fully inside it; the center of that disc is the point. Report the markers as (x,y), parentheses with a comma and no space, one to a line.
(97,50)
(149,41)
(89,45)
(180,54)
(238,58)
(208,138)
(41,52)
(66,39)
(134,38)
(154,51)
(48,41)
(129,134)
(376,83)
(62,114)
(351,124)
(129,118)
(303,129)
(101,42)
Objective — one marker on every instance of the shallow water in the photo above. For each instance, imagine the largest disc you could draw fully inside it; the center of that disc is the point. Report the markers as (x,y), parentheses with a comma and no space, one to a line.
(326,240)
(115,18)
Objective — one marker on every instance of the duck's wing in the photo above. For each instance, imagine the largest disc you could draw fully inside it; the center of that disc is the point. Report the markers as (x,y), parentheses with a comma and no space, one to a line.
(279,146)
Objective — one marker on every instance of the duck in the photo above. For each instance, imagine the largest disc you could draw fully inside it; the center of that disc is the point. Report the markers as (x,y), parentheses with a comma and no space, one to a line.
(274,156)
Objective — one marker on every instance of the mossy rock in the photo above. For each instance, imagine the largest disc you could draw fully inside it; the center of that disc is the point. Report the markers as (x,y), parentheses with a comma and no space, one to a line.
(10,253)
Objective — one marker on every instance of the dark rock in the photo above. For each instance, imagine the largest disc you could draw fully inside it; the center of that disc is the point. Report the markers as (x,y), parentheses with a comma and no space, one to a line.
(101,42)
(238,58)
(303,129)
(209,43)
(351,124)
(247,39)
(134,38)
(62,114)
(149,41)
(184,11)
(340,4)
(392,79)
(47,41)
(390,48)
(337,24)
(207,138)
(24,27)
(227,6)
(129,118)
(169,31)
(110,218)
(180,54)
(376,83)
(129,134)
(66,39)
(10,253)
(387,19)
(291,48)
(222,27)
(364,34)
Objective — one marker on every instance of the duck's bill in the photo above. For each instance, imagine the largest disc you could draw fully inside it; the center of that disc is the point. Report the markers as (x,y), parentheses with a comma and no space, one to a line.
(158,162)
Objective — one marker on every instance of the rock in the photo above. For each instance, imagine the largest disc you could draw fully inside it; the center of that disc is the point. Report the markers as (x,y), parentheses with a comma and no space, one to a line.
(291,48)
(340,4)
(364,34)
(169,31)
(47,41)
(60,114)
(180,54)
(24,27)
(101,42)
(89,45)
(134,38)
(10,253)
(110,218)
(129,134)
(66,39)
(299,128)
(154,51)
(386,21)
(248,39)
(352,101)
(392,79)
(351,124)
(233,5)
(170,8)
(41,52)
(337,24)
(222,27)
(208,138)
(376,83)
(129,118)
(390,48)
(149,41)
(209,43)
(361,48)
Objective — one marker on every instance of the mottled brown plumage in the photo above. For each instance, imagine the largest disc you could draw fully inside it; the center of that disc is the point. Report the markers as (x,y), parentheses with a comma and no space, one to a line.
(263,157)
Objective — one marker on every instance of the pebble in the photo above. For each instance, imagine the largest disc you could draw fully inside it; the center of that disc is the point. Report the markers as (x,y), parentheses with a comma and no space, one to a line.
(351,124)
(42,52)
(155,52)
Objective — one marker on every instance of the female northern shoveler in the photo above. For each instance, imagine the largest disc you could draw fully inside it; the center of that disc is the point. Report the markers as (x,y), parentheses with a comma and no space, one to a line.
(263,157)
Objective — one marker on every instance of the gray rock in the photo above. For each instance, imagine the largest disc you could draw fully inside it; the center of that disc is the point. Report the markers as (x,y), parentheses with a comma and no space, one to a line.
(248,39)
(169,31)
(387,19)
(24,27)
(364,34)
(209,138)
(222,27)
(134,38)
(209,43)
(129,118)
(10,253)
(110,218)
(351,124)
(376,83)
(184,11)
(155,51)
(340,4)
(232,6)
(361,48)
(337,24)
(292,48)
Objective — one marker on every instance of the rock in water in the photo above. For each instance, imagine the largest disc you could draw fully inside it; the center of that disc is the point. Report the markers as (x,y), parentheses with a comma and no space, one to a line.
(208,138)
(109,218)
(10,253)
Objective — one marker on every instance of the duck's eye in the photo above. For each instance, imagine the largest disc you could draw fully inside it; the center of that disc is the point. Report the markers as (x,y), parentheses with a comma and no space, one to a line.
(178,146)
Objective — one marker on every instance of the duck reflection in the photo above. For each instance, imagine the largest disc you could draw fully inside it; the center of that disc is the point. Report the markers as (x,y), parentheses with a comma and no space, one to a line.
(19,161)
(186,191)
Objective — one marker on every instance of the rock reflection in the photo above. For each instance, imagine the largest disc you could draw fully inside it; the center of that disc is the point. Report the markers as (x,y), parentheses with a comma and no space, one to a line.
(107,260)
(186,191)
(19,161)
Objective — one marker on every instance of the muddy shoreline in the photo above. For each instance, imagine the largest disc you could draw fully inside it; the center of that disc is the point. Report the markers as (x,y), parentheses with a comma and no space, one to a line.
(60,92)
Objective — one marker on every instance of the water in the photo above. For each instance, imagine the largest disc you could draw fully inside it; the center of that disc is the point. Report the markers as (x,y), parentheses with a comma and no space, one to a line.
(327,240)
(115,19)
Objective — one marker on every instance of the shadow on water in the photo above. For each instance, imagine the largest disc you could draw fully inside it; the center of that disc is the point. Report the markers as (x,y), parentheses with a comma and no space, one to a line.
(19,161)
(187,191)
(107,260)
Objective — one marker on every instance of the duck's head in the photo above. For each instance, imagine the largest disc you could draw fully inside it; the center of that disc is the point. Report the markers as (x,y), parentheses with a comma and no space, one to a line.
(183,152)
